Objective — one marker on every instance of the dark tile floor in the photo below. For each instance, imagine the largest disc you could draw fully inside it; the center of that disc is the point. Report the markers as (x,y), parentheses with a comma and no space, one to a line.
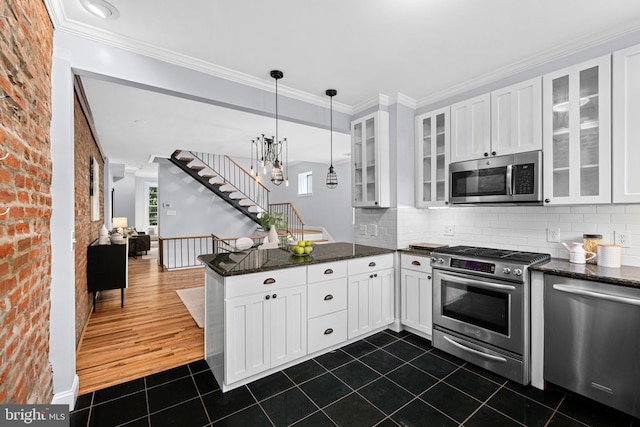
(388,379)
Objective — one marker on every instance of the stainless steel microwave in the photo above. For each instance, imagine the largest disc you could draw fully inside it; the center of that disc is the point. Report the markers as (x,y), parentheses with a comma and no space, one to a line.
(511,179)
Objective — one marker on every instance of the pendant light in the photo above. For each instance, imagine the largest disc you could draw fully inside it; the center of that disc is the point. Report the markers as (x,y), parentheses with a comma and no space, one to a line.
(332,178)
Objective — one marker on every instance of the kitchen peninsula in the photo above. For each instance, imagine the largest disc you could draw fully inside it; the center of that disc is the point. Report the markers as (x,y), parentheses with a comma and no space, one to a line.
(266,310)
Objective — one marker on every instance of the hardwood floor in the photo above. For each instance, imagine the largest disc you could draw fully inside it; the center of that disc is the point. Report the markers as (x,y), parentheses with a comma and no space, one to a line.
(153,332)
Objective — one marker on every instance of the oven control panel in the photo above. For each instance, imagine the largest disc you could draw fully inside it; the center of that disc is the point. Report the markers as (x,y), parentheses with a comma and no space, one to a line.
(465,264)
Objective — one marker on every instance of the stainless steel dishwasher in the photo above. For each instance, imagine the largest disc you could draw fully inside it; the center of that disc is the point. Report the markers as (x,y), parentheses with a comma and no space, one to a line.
(592,340)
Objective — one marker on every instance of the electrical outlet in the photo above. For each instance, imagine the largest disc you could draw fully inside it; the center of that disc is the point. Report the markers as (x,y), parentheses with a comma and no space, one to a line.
(623,238)
(449,230)
(363,230)
(553,235)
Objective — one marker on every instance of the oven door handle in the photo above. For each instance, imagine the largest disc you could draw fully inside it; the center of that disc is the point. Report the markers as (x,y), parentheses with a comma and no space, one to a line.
(476,352)
(478,283)
(509,180)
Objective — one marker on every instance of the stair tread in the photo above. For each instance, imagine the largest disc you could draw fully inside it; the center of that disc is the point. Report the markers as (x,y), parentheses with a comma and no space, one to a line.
(197,167)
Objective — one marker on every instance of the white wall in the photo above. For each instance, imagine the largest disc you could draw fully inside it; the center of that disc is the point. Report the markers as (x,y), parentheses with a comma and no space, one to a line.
(326,208)
(124,198)
(196,210)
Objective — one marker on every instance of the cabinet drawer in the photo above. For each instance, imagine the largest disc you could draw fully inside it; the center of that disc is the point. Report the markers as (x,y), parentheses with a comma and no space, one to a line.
(416,263)
(327,297)
(326,271)
(373,263)
(267,281)
(327,330)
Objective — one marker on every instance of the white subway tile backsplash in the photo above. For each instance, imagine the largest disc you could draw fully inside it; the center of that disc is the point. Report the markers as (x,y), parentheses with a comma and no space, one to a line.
(521,228)
(584,209)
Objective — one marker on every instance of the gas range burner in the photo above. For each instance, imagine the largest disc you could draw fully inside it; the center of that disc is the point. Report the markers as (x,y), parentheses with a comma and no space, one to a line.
(526,258)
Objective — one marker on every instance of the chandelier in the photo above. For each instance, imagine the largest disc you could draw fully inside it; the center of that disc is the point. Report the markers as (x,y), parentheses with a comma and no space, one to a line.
(269,150)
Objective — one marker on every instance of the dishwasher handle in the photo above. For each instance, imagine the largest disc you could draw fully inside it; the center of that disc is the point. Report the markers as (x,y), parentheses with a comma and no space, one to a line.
(597,295)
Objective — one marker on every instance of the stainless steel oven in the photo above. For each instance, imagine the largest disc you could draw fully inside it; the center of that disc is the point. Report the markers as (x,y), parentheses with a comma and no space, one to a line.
(489,310)
(481,307)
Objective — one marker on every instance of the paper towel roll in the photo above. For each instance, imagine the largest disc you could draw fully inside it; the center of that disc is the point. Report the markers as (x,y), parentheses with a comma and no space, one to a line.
(609,255)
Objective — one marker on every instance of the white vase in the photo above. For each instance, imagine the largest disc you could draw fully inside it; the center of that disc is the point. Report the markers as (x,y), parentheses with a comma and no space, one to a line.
(273,235)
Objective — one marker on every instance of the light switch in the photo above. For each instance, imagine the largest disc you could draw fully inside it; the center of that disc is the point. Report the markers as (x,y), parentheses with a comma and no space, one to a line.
(363,230)
(171,213)
(373,229)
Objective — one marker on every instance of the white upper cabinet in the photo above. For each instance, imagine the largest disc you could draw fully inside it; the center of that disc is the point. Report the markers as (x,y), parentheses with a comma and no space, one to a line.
(505,121)
(516,118)
(432,158)
(471,128)
(577,133)
(626,125)
(370,178)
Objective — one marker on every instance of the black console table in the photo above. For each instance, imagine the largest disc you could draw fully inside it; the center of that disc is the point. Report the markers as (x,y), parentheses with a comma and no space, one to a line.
(107,268)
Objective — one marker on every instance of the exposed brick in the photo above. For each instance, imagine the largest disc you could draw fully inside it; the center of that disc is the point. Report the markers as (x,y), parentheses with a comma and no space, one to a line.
(26,37)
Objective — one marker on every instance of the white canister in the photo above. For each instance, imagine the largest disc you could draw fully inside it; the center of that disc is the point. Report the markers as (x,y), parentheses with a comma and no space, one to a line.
(609,255)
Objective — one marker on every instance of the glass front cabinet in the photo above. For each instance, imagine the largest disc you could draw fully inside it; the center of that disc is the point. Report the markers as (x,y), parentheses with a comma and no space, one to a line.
(577,134)
(432,158)
(370,179)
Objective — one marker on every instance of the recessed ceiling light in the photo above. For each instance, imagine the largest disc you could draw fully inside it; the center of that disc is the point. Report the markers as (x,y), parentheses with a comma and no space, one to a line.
(101,9)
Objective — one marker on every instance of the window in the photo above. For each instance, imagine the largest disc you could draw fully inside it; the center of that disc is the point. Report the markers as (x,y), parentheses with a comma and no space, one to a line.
(305,180)
(153,206)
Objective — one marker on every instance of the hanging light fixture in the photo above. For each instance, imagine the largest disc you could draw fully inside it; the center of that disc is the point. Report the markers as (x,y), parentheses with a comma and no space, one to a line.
(332,178)
(270,149)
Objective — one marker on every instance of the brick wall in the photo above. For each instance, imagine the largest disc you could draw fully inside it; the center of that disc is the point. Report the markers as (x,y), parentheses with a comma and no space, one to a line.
(26,37)
(86,230)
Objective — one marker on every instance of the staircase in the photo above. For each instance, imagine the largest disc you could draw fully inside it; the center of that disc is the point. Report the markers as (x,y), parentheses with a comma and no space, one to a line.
(227,179)
(231,182)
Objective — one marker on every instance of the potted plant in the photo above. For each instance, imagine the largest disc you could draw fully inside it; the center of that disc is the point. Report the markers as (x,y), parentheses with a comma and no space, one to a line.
(271,222)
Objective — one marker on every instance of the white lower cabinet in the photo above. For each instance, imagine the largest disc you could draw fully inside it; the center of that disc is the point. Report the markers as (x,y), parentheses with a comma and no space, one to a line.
(416,293)
(258,322)
(327,301)
(371,294)
(264,330)
(328,330)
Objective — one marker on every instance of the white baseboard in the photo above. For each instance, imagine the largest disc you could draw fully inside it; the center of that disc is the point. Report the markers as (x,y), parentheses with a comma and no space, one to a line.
(68,397)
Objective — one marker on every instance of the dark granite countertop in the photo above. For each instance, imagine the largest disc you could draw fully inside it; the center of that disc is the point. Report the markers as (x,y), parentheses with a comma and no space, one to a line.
(257,260)
(624,276)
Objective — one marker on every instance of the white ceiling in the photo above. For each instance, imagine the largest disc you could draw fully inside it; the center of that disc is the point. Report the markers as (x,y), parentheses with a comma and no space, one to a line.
(423,49)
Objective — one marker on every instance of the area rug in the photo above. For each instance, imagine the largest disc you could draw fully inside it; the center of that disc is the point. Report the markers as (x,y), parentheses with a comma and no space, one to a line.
(193,299)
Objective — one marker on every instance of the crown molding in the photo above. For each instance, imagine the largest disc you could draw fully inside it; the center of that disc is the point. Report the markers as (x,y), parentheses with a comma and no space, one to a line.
(547,57)
(373,102)
(402,99)
(78,29)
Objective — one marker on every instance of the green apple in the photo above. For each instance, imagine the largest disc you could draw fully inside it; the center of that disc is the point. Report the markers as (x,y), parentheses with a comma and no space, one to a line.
(298,250)
(301,243)
(307,242)
(308,249)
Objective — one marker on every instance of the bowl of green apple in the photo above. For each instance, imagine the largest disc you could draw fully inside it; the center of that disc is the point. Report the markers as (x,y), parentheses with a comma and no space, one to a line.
(301,248)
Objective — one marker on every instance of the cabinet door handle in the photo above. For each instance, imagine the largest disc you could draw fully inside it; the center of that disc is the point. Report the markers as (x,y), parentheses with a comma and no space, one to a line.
(429,277)
(267,297)
(371,276)
(328,297)
(328,271)
(372,264)
(275,295)
(416,263)
(328,331)
(269,281)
